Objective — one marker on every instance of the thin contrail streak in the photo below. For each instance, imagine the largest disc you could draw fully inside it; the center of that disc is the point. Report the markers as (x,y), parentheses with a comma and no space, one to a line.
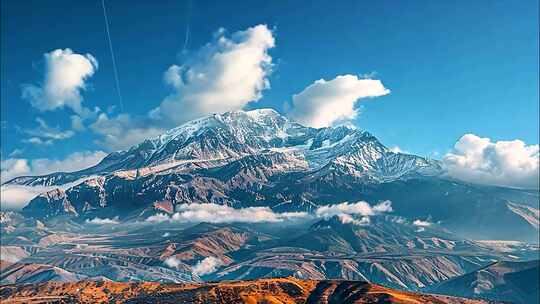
(186,40)
(112,57)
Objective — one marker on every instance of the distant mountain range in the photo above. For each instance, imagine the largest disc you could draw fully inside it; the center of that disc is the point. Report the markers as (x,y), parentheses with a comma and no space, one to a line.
(516,282)
(389,251)
(260,158)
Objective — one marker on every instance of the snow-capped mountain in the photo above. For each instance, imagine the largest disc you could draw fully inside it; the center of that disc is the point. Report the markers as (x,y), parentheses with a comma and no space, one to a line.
(224,138)
(261,158)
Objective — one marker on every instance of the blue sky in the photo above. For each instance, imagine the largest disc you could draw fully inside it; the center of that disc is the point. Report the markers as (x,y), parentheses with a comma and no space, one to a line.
(453,67)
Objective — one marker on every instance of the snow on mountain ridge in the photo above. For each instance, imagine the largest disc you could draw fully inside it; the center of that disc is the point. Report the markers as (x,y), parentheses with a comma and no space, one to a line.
(233,135)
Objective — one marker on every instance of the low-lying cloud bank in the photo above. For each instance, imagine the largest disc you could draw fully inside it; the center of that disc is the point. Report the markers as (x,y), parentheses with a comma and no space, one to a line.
(16,197)
(172,262)
(213,213)
(346,212)
(103,221)
(504,163)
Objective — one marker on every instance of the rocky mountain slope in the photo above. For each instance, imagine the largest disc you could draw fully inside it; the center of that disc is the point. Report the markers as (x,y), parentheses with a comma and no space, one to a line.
(260,158)
(390,251)
(516,282)
(279,290)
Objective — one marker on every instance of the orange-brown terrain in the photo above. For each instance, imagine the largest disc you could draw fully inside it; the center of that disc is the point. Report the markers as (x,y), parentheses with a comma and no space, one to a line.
(280,290)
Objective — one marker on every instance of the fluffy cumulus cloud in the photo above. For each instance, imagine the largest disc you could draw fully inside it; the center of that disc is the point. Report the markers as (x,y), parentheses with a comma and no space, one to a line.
(214,213)
(65,77)
(325,103)
(226,74)
(359,208)
(123,131)
(206,266)
(505,163)
(350,212)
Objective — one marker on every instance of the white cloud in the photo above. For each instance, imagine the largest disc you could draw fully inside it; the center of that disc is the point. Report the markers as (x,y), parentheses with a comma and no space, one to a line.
(397,149)
(505,163)
(325,103)
(65,77)
(37,141)
(207,266)
(172,262)
(226,74)
(45,134)
(360,208)
(349,219)
(214,213)
(123,131)
(421,223)
(18,196)
(77,123)
(158,218)
(103,221)
(15,197)
(14,167)
(16,152)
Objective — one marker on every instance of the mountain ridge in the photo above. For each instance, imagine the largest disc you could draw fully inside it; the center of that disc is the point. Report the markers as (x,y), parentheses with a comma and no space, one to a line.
(262,159)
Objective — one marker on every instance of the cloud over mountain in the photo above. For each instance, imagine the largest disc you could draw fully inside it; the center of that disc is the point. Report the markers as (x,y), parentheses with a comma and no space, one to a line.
(207,266)
(213,213)
(123,131)
(17,196)
(505,163)
(346,212)
(13,167)
(324,103)
(226,74)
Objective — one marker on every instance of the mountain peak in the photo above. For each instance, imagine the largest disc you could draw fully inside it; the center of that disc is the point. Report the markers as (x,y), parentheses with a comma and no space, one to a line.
(227,137)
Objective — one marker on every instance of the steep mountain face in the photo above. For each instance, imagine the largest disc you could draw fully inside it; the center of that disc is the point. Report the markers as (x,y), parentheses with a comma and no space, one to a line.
(260,158)
(279,290)
(517,282)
